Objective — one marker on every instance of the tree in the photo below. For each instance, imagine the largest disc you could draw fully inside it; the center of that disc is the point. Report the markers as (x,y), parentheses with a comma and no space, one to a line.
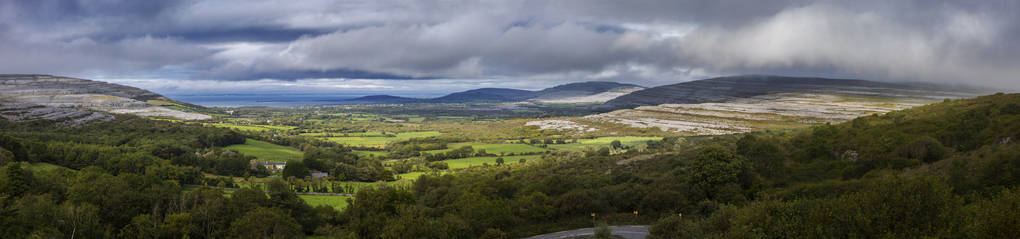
(295,169)
(5,157)
(438,165)
(616,144)
(15,180)
(499,161)
(266,223)
(715,167)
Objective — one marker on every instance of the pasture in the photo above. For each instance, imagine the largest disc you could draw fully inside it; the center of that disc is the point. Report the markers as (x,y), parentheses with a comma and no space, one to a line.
(337,202)
(267,151)
(380,142)
(479,161)
(492,148)
(253,127)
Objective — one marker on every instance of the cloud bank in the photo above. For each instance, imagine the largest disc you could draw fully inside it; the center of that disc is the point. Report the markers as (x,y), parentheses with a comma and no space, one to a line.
(457,44)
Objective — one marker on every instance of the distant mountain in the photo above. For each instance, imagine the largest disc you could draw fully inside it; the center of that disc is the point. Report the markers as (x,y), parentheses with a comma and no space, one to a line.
(382,99)
(585,92)
(485,95)
(581,92)
(31,97)
(724,89)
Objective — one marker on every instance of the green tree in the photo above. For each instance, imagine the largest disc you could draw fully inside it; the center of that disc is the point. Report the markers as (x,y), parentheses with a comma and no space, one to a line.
(15,180)
(616,144)
(5,157)
(499,161)
(264,222)
(715,167)
(295,169)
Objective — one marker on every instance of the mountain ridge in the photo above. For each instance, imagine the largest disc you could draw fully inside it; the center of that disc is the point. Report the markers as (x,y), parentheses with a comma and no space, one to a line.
(729,88)
(578,92)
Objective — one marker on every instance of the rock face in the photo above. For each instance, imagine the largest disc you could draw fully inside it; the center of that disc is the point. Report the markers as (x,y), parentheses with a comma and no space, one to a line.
(738,104)
(726,89)
(31,97)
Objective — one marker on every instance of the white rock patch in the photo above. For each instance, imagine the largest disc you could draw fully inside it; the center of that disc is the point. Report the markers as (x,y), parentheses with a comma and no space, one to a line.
(560,125)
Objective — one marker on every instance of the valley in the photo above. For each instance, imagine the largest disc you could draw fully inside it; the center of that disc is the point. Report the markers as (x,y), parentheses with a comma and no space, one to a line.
(517,162)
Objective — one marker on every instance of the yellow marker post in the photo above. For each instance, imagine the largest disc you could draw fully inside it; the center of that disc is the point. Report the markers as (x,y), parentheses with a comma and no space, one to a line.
(679,214)
(593,214)
(635,212)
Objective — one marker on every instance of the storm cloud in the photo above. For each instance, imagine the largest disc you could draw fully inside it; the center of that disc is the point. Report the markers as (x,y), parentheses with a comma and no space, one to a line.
(518,43)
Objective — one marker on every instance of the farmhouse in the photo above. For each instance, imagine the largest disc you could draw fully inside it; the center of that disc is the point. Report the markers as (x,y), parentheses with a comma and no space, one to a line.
(317,174)
(274,167)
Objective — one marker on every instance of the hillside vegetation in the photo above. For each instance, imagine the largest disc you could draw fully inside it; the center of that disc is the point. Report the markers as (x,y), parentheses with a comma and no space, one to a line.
(944,170)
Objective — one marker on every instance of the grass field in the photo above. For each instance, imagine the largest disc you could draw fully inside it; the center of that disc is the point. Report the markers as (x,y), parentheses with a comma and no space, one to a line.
(381,141)
(478,161)
(251,127)
(42,167)
(625,140)
(493,148)
(267,151)
(337,202)
(364,134)
(365,153)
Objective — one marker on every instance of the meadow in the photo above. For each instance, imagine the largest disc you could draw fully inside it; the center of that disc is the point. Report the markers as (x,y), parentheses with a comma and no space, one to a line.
(380,142)
(267,151)
(480,161)
(337,202)
(506,148)
(253,127)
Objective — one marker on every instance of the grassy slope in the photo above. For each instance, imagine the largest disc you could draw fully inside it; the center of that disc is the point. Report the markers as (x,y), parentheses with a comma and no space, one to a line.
(267,151)
(381,141)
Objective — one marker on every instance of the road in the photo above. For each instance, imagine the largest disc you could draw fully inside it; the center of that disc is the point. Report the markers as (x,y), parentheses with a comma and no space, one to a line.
(629,232)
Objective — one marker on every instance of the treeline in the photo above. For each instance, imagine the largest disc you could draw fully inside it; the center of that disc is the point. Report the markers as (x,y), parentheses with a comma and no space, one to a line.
(92,203)
(127,145)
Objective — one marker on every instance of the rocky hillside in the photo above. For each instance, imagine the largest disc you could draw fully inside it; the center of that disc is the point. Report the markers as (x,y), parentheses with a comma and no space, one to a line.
(726,89)
(585,92)
(76,101)
(738,104)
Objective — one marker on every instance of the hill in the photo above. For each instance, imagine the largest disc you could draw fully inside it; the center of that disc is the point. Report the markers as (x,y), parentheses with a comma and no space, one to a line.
(573,93)
(30,97)
(485,95)
(585,92)
(726,89)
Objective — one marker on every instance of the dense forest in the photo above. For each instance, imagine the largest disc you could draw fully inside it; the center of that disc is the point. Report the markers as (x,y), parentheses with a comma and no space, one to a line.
(949,169)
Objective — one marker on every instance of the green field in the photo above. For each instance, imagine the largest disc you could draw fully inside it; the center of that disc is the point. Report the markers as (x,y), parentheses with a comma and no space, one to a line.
(358,134)
(42,167)
(381,141)
(478,161)
(267,151)
(337,202)
(493,148)
(366,153)
(625,140)
(255,127)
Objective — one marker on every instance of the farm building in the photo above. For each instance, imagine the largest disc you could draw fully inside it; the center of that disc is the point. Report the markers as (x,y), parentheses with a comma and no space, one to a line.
(274,167)
(317,174)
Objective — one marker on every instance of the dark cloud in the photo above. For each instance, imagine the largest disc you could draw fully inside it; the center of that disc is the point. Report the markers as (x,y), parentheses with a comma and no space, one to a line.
(648,42)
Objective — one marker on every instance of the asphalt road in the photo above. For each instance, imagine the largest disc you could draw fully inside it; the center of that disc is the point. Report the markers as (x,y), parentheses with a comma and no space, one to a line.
(629,232)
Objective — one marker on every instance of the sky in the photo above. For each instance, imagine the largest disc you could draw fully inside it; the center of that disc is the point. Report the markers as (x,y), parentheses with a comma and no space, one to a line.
(430,47)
